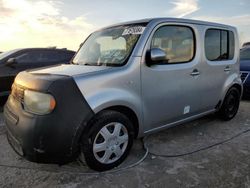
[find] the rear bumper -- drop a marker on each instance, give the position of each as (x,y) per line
(52,138)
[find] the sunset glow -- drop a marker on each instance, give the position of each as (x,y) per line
(64,23)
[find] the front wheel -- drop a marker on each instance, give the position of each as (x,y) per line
(107,141)
(230,104)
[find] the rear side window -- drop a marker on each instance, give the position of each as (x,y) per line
(177,41)
(219,45)
(65,55)
(50,56)
(29,57)
(56,56)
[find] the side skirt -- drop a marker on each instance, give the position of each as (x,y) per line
(179,122)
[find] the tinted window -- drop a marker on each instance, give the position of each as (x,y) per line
(219,45)
(65,55)
(50,56)
(29,57)
(176,41)
(8,53)
(212,44)
(245,54)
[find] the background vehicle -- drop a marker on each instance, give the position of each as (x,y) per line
(245,70)
(15,61)
(246,44)
(126,81)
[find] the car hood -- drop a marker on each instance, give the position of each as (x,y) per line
(245,65)
(68,70)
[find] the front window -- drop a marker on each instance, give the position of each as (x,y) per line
(109,47)
(177,41)
(245,54)
(6,54)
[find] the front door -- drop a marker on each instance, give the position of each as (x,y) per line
(171,89)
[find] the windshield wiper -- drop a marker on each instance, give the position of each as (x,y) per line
(94,64)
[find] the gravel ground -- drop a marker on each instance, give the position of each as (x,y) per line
(224,165)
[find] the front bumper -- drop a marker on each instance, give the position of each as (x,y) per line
(51,138)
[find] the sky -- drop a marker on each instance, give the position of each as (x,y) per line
(66,23)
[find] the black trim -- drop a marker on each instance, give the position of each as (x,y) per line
(51,138)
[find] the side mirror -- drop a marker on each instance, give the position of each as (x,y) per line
(10,62)
(157,56)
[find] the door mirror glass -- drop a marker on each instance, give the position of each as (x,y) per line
(157,56)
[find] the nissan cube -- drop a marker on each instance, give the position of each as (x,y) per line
(126,81)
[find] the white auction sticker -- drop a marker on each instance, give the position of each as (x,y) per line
(137,30)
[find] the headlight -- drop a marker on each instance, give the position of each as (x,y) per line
(38,103)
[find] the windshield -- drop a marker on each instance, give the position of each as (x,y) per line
(245,54)
(6,54)
(109,47)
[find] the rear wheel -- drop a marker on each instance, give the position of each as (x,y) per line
(108,140)
(230,104)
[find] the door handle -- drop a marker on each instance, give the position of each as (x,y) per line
(195,73)
(227,69)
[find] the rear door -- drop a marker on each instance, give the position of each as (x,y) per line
(219,59)
(171,90)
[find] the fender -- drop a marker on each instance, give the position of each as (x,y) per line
(231,80)
(111,97)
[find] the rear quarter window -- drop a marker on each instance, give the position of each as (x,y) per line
(219,45)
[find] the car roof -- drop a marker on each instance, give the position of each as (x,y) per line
(58,49)
(179,20)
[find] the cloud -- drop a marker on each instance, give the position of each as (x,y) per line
(183,8)
(25,23)
(241,22)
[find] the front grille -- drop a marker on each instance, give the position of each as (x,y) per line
(17,92)
(244,76)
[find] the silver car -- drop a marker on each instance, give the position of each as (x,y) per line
(126,81)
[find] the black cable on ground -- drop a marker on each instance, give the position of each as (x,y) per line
(134,164)
(84,173)
(198,150)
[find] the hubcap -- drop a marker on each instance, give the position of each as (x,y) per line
(110,143)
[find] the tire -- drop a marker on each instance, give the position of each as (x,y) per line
(114,133)
(230,104)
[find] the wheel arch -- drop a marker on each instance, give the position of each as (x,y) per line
(129,113)
(235,85)
(233,81)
